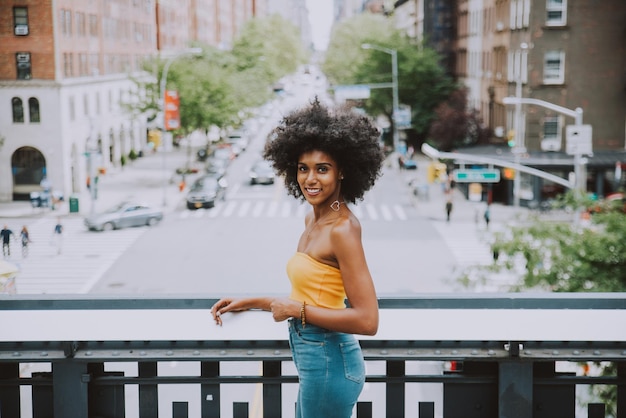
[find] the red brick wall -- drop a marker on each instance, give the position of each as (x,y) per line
(39,42)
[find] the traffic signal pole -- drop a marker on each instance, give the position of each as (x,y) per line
(435,154)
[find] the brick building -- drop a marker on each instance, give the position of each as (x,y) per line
(64,70)
(556,53)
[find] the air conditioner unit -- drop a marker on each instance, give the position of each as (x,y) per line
(499,26)
(21,29)
(551,145)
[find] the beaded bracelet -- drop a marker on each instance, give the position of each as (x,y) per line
(303,315)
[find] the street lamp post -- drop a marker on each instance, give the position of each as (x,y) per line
(520,136)
(394,88)
(162,86)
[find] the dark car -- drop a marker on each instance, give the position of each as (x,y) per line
(261,172)
(205,191)
(124,215)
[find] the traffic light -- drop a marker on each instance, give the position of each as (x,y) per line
(508,173)
(510,136)
(435,171)
(154,136)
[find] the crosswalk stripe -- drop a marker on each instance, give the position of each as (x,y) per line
(242,208)
(386,212)
(89,253)
(400,213)
(371,212)
(258,209)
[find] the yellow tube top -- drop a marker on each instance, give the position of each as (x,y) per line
(315,282)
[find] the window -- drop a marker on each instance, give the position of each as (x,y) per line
(81,24)
(22,63)
(72,108)
(20,21)
(18,110)
(556,12)
(65,21)
(68,64)
(33,110)
(554,67)
(551,140)
(93,25)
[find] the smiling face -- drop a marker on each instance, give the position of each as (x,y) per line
(318,177)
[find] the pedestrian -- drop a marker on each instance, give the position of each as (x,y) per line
(58,235)
(487,216)
(25,238)
(328,158)
(448,209)
(6,235)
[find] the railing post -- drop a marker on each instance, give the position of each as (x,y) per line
(426,410)
(621,390)
(272,395)
(70,388)
(395,391)
(240,410)
(553,399)
(472,399)
(148,393)
(515,389)
(596,410)
(364,410)
(210,392)
(9,395)
(180,410)
(105,400)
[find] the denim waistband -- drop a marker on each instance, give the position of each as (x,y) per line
(296,325)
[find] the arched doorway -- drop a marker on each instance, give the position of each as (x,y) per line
(28,167)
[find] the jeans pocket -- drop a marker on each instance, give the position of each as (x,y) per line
(353,363)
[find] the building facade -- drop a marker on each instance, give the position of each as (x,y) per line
(64,75)
(562,62)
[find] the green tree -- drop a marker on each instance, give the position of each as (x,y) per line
(566,257)
(217,87)
(422,82)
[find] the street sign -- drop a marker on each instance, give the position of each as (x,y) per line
(477,175)
(578,139)
(355,92)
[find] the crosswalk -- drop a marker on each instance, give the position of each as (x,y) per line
(84,256)
(245,208)
(470,245)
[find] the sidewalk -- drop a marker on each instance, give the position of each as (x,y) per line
(150,179)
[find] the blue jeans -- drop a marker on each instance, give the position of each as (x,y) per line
(331,371)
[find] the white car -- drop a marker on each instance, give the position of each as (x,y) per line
(124,215)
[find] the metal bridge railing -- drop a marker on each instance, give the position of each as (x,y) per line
(500,355)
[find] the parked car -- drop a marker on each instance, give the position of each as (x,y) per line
(124,215)
(205,191)
(261,172)
(216,166)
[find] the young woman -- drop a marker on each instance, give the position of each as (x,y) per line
(329,158)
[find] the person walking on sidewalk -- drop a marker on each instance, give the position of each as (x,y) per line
(448,208)
(25,237)
(329,159)
(57,235)
(6,234)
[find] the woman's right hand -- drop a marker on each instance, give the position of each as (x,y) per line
(227,305)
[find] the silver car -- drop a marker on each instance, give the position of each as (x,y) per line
(124,215)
